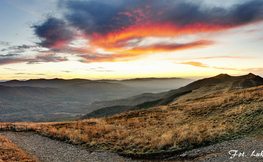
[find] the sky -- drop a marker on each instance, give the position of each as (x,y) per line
(120,39)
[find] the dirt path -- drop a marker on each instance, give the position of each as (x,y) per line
(241,150)
(48,150)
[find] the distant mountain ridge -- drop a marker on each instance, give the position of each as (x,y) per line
(45,97)
(200,88)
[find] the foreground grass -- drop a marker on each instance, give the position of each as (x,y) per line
(10,152)
(168,129)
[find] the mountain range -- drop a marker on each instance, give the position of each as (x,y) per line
(58,99)
(53,99)
(197,89)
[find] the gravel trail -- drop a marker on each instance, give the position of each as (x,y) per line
(48,150)
(240,150)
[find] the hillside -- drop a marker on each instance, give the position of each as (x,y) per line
(235,83)
(105,112)
(166,130)
(130,101)
(200,88)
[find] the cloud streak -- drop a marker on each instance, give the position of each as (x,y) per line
(199,64)
(216,57)
(194,63)
(2,43)
(37,59)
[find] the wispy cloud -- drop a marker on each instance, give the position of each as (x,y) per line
(9,55)
(48,58)
(23,9)
(10,69)
(28,74)
(100,69)
(2,43)
(215,57)
(199,64)
(37,59)
(194,63)
(66,71)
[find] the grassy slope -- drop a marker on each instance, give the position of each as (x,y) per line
(10,152)
(105,112)
(169,129)
(218,84)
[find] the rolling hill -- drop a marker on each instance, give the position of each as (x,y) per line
(197,89)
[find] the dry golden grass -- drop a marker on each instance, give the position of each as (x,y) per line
(10,152)
(167,128)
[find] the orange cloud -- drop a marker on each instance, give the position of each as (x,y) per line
(121,54)
(216,57)
(199,64)
(193,63)
(169,47)
(110,40)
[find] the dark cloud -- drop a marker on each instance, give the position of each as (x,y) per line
(248,12)
(53,33)
(21,49)
(118,25)
(98,16)
(37,59)
(102,17)
(48,58)
(4,61)
(189,13)
(9,55)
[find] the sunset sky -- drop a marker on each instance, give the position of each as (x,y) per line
(117,39)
